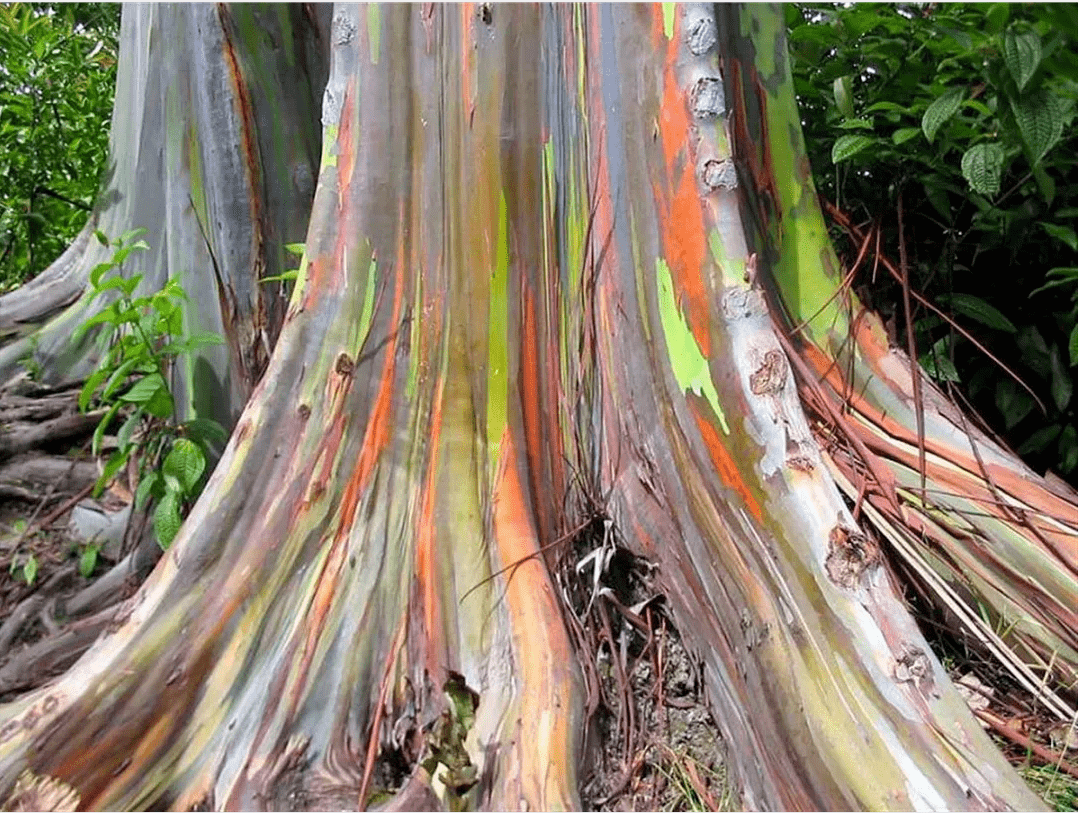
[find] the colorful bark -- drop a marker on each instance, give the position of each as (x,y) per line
(993,542)
(525,270)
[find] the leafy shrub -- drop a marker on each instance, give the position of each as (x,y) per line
(142,337)
(967,111)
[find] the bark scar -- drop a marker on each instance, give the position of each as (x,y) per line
(850,555)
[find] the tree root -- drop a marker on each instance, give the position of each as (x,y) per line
(34,473)
(84,615)
(22,437)
(31,606)
(49,657)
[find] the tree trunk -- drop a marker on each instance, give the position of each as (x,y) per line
(530,323)
(214,152)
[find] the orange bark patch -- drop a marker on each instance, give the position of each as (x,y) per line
(424,563)
(684,242)
(540,642)
(346,146)
(722,459)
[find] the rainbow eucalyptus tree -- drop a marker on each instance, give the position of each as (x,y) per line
(546,255)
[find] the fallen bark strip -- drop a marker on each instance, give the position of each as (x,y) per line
(1015,736)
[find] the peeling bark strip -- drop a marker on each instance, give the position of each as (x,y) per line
(515,286)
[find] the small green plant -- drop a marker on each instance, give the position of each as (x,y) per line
(291,274)
(143,337)
(30,362)
(88,559)
(27,568)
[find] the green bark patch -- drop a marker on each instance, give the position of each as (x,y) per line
(687,360)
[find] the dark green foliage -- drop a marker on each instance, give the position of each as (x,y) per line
(968,112)
(57,79)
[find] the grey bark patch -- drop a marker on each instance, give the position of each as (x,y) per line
(707,99)
(718,175)
(913,666)
(743,303)
(702,35)
(344,29)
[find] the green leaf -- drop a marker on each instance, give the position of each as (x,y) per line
(939,199)
(146,486)
(1068,449)
(982,167)
(29,570)
(997,15)
(1073,346)
(463,699)
(1045,183)
(116,461)
(1064,276)
(937,362)
(940,110)
(92,383)
(119,376)
(128,236)
(144,389)
(287,275)
(1040,120)
(296,248)
(1039,440)
(97,271)
(844,96)
(1022,53)
(889,107)
(123,437)
(857,124)
(88,561)
(979,106)
(204,338)
(847,146)
(161,404)
(1064,233)
(166,519)
(121,255)
(1013,402)
(128,286)
(1062,385)
(185,462)
(99,432)
(204,429)
(904,134)
(976,308)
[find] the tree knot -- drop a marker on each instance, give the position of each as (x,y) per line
(850,554)
(345,365)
